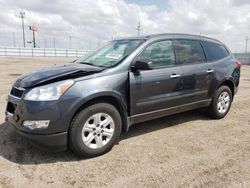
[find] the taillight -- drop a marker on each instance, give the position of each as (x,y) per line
(238,63)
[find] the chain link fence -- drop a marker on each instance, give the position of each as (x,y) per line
(62,52)
(243,58)
(42,52)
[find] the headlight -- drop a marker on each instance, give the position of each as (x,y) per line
(49,92)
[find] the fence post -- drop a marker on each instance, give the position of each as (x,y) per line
(5,51)
(55,52)
(76,53)
(66,52)
(44,52)
(19,51)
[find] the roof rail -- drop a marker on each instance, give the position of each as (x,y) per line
(180,34)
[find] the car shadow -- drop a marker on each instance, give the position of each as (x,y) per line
(165,122)
(18,150)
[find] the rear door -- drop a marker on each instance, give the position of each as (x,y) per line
(157,89)
(217,61)
(197,74)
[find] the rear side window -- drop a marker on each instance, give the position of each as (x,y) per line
(189,51)
(214,51)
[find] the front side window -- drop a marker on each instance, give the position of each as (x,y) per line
(189,51)
(214,51)
(160,53)
(111,54)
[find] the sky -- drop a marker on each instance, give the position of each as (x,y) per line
(90,23)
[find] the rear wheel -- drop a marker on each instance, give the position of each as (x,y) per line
(221,102)
(95,130)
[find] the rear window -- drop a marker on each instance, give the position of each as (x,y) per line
(214,51)
(189,51)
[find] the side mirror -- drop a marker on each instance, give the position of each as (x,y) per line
(142,65)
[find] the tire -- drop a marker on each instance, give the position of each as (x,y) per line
(216,110)
(90,133)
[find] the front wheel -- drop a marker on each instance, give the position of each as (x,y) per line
(95,130)
(221,102)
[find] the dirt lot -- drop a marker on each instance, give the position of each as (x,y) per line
(185,150)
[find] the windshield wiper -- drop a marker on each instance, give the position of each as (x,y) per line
(86,63)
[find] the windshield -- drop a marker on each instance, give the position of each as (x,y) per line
(111,54)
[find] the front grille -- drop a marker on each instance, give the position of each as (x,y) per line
(17,92)
(10,108)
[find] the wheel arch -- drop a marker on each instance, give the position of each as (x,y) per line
(112,98)
(229,83)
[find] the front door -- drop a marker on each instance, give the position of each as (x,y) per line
(158,89)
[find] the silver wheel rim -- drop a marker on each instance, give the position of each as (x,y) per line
(98,130)
(223,102)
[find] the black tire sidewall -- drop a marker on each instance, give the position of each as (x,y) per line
(214,110)
(75,133)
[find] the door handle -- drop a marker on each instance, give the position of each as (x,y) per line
(210,71)
(175,76)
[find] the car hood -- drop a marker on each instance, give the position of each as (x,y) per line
(55,73)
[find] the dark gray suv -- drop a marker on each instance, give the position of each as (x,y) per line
(86,104)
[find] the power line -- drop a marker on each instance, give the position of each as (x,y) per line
(22,15)
(138,28)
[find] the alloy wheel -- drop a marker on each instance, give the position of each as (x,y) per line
(223,102)
(98,130)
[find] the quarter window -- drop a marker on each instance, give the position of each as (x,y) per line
(189,51)
(160,53)
(214,51)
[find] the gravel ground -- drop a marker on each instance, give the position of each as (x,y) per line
(184,150)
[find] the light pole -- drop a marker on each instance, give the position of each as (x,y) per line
(22,14)
(33,29)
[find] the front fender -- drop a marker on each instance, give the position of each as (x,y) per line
(84,91)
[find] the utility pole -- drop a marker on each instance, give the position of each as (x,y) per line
(54,41)
(45,43)
(70,42)
(14,39)
(33,29)
(247,39)
(22,14)
(98,42)
(138,28)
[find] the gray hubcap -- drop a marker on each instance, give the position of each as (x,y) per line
(98,130)
(223,102)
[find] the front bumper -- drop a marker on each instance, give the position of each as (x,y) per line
(52,138)
(50,142)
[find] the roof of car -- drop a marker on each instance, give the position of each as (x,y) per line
(171,35)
